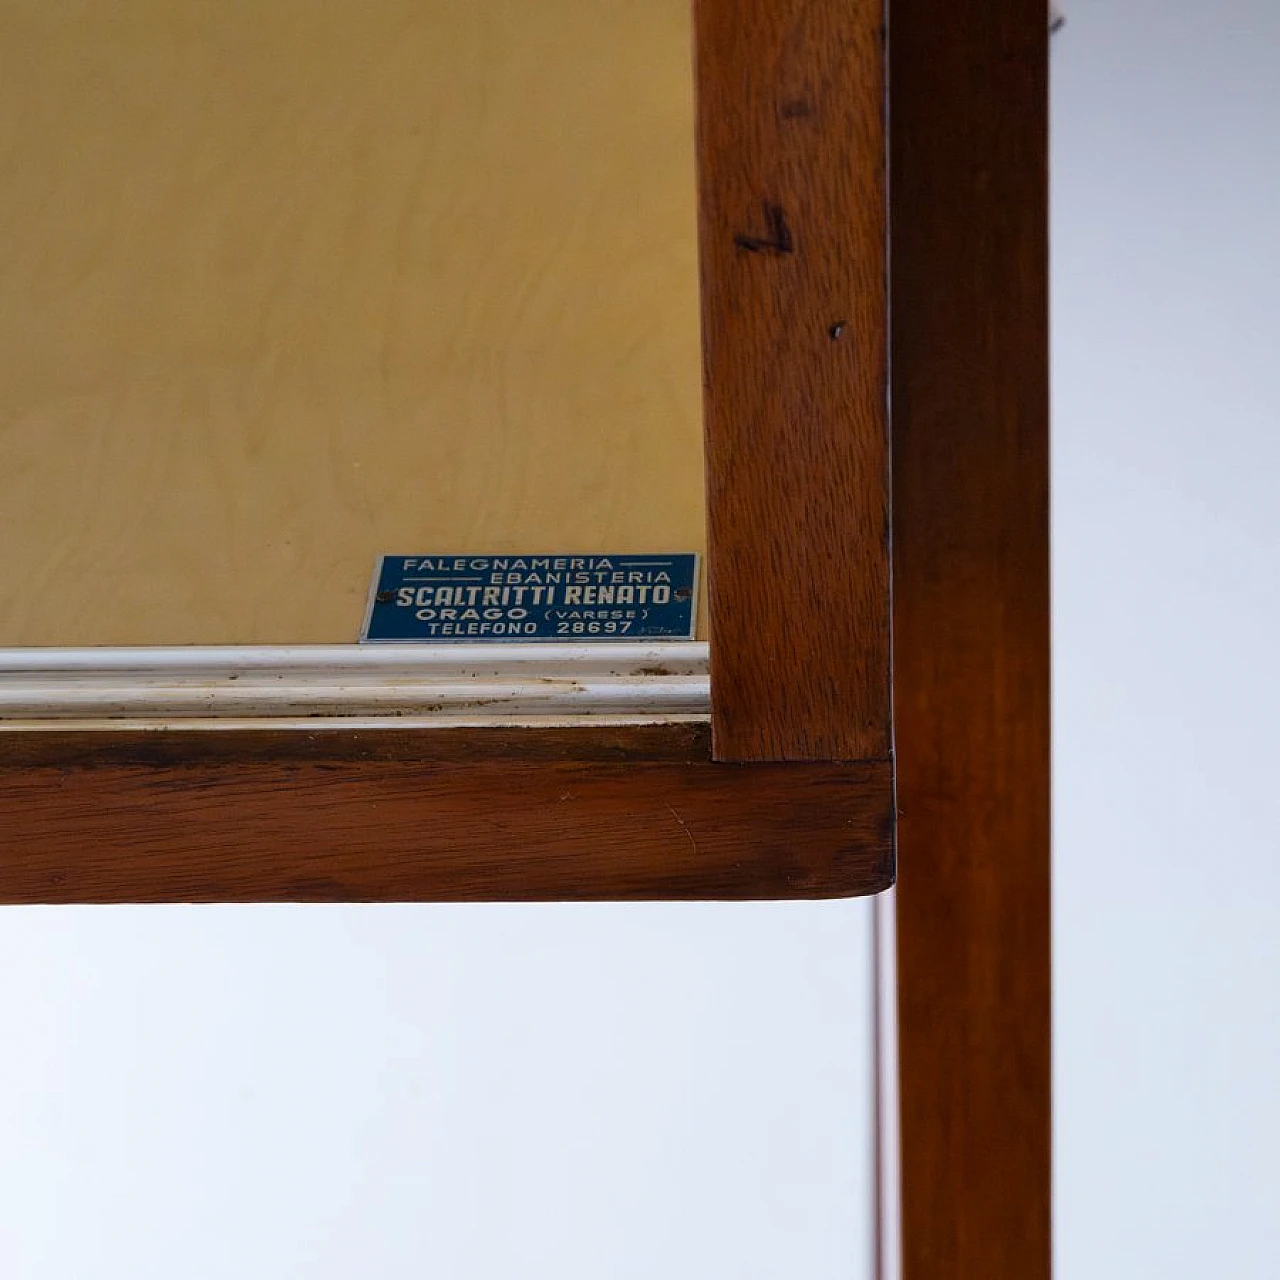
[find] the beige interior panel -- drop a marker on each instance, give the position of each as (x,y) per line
(287,284)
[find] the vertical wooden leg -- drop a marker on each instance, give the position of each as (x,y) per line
(969,361)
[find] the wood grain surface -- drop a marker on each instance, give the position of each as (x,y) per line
(288,284)
(971,633)
(460,815)
(794,322)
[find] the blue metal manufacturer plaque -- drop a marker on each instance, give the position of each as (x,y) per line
(569,598)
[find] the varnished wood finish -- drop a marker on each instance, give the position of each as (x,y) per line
(792,189)
(679,742)
(971,633)
(791,158)
(459,815)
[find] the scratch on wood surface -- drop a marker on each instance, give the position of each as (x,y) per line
(684,826)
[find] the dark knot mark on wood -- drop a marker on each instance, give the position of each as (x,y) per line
(778,239)
(795,109)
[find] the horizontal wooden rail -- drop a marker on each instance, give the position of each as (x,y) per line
(636,812)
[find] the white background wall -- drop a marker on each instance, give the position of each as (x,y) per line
(470,1093)
(1166,327)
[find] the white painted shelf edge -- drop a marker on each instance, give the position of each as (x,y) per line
(353,686)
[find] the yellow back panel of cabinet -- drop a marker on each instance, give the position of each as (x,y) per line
(286,284)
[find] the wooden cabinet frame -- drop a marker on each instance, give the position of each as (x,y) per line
(790,791)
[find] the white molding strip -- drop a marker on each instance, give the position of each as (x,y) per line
(374,686)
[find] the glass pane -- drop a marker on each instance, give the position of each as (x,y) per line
(286,285)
